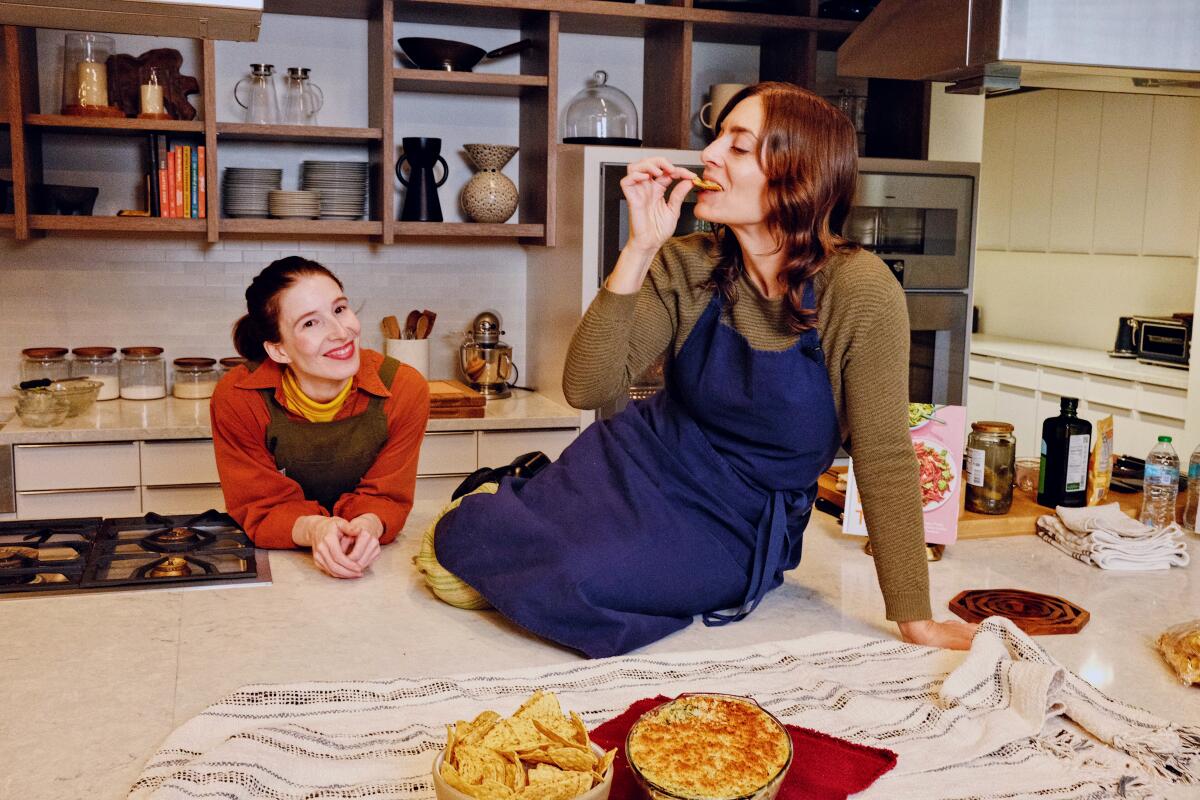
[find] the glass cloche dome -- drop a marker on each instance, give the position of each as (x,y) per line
(601,114)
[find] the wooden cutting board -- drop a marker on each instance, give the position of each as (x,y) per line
(454,400)
(1036,614)
(1021,519)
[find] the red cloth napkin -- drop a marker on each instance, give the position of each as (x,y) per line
(823,767)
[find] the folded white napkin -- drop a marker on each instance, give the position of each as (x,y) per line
(1106,537)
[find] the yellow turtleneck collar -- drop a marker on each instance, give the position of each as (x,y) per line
(299,403)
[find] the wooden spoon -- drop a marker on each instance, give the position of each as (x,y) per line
(391,327)
(410,324)
(430,318)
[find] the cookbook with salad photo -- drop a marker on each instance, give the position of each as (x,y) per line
(938,436)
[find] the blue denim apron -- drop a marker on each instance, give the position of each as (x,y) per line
(693,501)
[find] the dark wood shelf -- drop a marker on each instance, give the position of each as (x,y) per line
(3,117)
(344,9)
(51,222)
(305,227)
(113,125)
(470,230)
(307,134)
(6,222)
(477,83)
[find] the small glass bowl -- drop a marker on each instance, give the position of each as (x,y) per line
(38,408)
(1028,470)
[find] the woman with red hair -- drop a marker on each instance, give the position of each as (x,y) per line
(782,341)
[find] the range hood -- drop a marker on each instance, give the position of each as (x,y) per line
(992,46)
(237,20)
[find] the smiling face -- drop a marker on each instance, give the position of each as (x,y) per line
(732,160)
(318,335)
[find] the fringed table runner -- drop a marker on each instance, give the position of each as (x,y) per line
(1003,720)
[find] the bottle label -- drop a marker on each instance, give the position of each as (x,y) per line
(1042,470)
(1194,470)
(975,460)
(1160,475)
(1077,457)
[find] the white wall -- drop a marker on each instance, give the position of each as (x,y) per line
(72,291)
(955,125)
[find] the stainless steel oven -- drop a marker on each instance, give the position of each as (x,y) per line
(918,216)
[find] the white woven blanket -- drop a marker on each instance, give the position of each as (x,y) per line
(985,724)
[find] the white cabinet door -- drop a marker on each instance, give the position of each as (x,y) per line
(91,503)
(447,454)
(1033,171)
(1173,203)
(981,400)
(497,448)
(995,173)
(182,499)
(76,466)
(1019,406)
(1121,180)
(169,463)
(1076,161)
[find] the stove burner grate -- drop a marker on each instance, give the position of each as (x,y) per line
(16,558)
(174,567)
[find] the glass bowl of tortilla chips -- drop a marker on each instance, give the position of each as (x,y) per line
(538,753)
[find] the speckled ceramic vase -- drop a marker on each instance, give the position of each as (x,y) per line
(490,196)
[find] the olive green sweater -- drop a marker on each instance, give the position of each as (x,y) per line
(863,324)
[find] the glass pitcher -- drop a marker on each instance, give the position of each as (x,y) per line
(261,104)
(302,98)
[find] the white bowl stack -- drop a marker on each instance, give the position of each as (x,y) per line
(294,205)
(342,184)
(246,189)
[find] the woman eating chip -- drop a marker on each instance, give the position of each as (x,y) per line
(783,341)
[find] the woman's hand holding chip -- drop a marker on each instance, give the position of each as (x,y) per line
(653,215)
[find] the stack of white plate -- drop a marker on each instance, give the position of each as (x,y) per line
(294,205)
(342,184)
(244,192)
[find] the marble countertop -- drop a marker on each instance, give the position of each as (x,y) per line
(172,418)
(94,683)
(1094,362)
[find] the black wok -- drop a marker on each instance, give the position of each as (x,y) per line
(448,55)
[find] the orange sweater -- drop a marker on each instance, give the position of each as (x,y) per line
(266,503)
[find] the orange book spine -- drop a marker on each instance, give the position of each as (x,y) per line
(179,181)
(200,180)
(186,171)
(171,184)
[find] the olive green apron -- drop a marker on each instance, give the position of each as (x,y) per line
(328,459)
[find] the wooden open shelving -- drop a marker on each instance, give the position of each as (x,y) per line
(788,47)
(114,125)
(6,222)
(304,134)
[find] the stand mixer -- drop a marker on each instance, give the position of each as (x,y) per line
(486,362)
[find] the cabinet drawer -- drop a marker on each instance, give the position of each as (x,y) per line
(178,462)
(76,466)
(1111,392)
(182,499)
(500,447)
(447,454)
(94,503)
(1017,373)
(1163,400)
(1062,382)
(435,491)
(982,368)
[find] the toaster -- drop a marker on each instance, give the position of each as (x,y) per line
(1166,341)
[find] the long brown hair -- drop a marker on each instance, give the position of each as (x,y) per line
(809,153)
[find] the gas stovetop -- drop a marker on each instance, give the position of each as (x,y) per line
(94,554)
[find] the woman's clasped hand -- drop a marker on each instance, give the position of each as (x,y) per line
(341,548)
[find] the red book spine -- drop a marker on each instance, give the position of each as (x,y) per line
(179,206)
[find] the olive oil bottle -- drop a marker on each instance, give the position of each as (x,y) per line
(1066,442)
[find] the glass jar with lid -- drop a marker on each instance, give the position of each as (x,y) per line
(143,373)
(601,114)
(44,362)
(195,378)
(231,362)
(991,467)
(98,364)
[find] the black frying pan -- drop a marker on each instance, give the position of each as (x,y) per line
(448,55)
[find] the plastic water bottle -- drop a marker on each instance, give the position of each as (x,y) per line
(1193,491)
(1160,486)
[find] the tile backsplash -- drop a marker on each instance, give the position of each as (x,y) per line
(183,295)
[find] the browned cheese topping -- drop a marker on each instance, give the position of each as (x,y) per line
(709,747)
(711,186)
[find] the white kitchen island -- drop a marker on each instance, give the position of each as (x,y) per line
(94,683)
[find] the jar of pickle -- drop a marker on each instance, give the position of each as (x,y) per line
(44,362)
(143,373)
(98,364)
(195,378)
(991,467)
